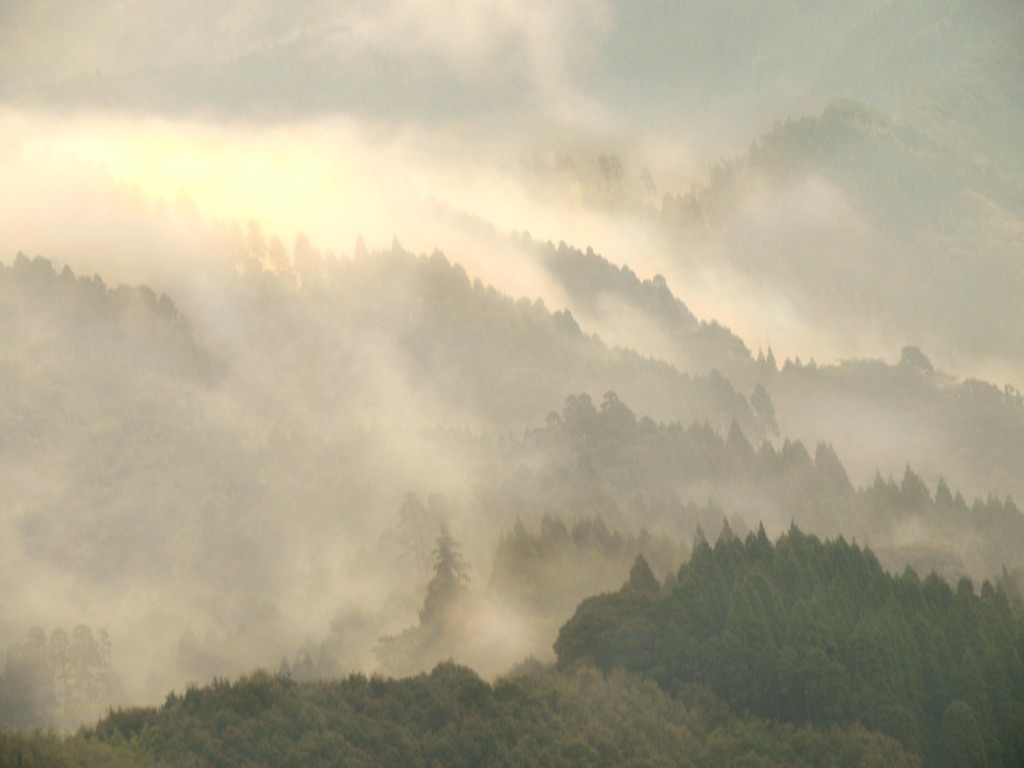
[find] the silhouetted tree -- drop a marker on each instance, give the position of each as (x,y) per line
(449,582)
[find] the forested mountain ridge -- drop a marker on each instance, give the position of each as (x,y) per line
(865,220)
(771,218)
(805,631)
(817,654)
(878,414)
(914,58)
(57,325)
(970,431)
(672,481)
(645,311)
(480,355)
(973,106)
(259,443)
(671,477)
(450,717)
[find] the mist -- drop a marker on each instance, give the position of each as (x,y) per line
(349,253)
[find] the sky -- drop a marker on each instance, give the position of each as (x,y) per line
(334,119)
(428,122)
(436,115)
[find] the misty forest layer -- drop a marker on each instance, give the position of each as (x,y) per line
(449,717)
(797,653)
(588,462)
(353,356)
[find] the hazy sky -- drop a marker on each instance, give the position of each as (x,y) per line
(378,120)
(391,119)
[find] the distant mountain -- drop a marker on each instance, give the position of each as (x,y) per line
(463,350)
(200,458)
(673,478)
(955,66)
(977,106)
(720,70)
(259,455)
(644,312)
(869,228)
(878,414)
(970,431)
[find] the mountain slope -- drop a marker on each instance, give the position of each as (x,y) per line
(869,229)
(809,631)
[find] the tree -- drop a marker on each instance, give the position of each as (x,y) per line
(414,526)
(641,578)
(912,358)
(962,738)
(448,562)
(86,664)
(764,411)
(448,585)
(27,692)
(580,419)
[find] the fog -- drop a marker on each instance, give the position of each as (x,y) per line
(254,162)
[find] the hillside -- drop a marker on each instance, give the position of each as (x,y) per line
(879,415)
(865,224)
(449,717)
(636,274)
(245,463)
(805,631)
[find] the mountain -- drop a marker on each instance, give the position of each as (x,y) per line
(223,451)
(644,312)
(450,717)
(866,226)
(805,631)
(282,425)
(879,415)
(734,67)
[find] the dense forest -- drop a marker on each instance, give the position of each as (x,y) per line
(801,652)
(450,716)
(812,632)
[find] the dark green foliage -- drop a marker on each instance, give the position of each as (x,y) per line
(451,717)
(812,632)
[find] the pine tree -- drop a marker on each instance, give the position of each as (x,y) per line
(449,581)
